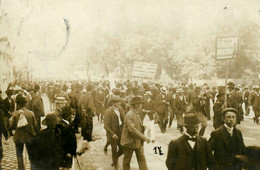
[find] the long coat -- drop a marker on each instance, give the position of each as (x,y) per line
(179,155)
(111,122)
(68,143)
(218,117)
(36,105)
(220,145)
(133,131)
(47,151)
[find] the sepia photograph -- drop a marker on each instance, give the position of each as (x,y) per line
(129,85)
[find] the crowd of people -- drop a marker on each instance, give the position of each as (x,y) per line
(129,112)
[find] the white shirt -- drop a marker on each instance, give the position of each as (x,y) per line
(118,115)
(192,143)
(66,121)
(230,130)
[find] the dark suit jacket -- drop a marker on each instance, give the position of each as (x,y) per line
(160,105)
(8,107)
(179,155)
(254,100)
(86,102)
(2,125)
(111,123)
(36,105)
(150,106)
(218,117)
(180,105)
(219,144)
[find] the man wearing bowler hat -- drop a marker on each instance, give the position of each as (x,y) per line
(133,136)
(190,151)
(232,99)
(218,107)
(227,142)
(46,144)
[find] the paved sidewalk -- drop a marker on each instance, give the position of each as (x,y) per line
(9,161)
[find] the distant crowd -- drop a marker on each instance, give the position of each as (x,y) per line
(129,112)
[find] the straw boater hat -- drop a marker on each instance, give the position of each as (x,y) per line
(51,119)
(136,100)
(190,119)
(61,100)
(179,90)
(148,93)
(163,89)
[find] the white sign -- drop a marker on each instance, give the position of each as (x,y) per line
(144,70)
(226,47)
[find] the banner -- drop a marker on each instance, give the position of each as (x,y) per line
(226,47)
(144,70)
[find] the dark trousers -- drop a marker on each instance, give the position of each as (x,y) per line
(207,110)
(19,154)
(1,149)
(100,112)
(163,120)
(87,128)
(38,126)
(117,149)
(179,117)
(171,117)
(128,153)
(7,126)
(257,115)
(246,108)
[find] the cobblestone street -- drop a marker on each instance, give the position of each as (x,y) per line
(96,159)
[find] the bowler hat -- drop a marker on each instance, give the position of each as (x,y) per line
(220,94)
(136,100)
(115,99)
(50,119)
(190,119)
(61,100)
(9,92)
(116,91)
(197,88)
(36,87)
(20,99)
(231,84)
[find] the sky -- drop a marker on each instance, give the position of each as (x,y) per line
(37,29)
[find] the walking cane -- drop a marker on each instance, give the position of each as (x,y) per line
(78,162)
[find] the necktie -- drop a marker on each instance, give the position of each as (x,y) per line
(192,139)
